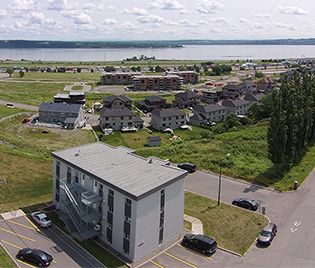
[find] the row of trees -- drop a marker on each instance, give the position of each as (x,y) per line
(292,121)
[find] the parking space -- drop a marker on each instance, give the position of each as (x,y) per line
(179,256)
(19,233)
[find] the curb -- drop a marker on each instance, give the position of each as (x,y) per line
(232,252)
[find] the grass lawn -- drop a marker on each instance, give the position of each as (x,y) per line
(99,252)
(5,260)
(233,228)
(5,111)
(71,77)
(29,93)
(25,161)
(187,225)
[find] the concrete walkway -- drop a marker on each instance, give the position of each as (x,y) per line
(12,214)
(196,224)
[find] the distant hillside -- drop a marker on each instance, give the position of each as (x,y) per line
(147,44)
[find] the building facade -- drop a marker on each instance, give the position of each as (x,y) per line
(211,96)
(186,99)
(157,82)
(172,118)
(117,102)
(205,115)
(118,78)
(189,77)
(238,106)
(74,97)
(132,204)
(151,102)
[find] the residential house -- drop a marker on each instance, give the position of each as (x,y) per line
(266,84)
(119,118)
(205,115)
(67,115)
(118,78)
(133,205)
(211,95)
(237,90)
(186,99)
(237,106)
(151,102)
(189,77)
(172,118)
(73,97)
(253,97)
(117,102)
(157,82)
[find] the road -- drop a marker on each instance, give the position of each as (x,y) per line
(292,212)
(20,105)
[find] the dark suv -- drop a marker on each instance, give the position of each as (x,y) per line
(187,166)
(202,243)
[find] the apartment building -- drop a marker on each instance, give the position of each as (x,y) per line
(205,115)
(211,96)
(157,82)
(172,118)
(151,102)
(189,77)
(118,78)
(134,205)
(237,106)
(73,97)
(115,102)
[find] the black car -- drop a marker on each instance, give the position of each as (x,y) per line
(202,243)
(187,166)
(267,234)
(246,203)
(35,256)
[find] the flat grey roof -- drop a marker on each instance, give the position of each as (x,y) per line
(121,167)
(59,107)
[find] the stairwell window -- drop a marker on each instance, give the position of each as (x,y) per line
(69,174)
(58,170)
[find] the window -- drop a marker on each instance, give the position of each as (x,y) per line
(110,219)
(109,235)
(161,233)
(58,170)
(162,201)
(127,229)
(76,176)
(128,208)
(161,219)
(57,196)
(110,200)
(100,191)
(122,118)
(162,206)
(68,174)
(126,246)
(57,185)
(83,180)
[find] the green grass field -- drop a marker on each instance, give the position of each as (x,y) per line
(233,228)
(29,93)
(5,260)
(68,77)
(5,111)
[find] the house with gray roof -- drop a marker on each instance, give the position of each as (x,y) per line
(253,97)
(172,118)
(237,106)
(119,118)
(134,205)
(115,102)
(205,115)
(73,97)
(151,102)
(67,115)
(186,99)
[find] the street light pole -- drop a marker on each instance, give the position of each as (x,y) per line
(220,178)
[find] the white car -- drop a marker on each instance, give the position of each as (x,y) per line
(41,219)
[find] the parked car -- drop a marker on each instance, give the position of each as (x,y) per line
(206,245)
(10,105)
(41,219)
(36,256)
(246,203)
(187,166)
(267,234)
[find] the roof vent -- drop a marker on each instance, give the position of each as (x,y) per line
(150,161)
(77,153)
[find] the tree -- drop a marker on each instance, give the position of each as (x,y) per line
(9,71)
(259,74)
(21,73)
(261,110)
(159,69)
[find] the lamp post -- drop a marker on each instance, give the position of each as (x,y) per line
(220,178)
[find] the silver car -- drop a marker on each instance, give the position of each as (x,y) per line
(41,219)
(267,234)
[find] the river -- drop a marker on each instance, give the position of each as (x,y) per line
(191,52)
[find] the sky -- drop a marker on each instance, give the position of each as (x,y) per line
(156,19)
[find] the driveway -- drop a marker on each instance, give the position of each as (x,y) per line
(21,232)
(292,212)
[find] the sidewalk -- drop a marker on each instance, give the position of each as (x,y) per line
(196,224)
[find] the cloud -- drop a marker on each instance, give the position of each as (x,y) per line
(89,6)
(151,19)
(262,16)
(136,11)
(167,5)
(78,16)
(40,18)
(281,25)
(209,7)
(3,13)
(58,5)
(242,20)
(292,11)
(24,5)
(108,21)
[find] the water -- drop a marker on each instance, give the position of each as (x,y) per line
(203,52)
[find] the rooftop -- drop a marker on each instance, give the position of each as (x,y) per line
(168,112)
(121,168)
(59,107)
(116,112)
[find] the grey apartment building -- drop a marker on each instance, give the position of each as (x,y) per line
(118,78)
(157,82)
(134,205)
(167,118)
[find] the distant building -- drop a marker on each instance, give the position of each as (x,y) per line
(73,97)
(186,99)
(266,84)
(167,118)
(151,102)
(189,77)
(205,115)
(118,78)
(115,102)
(134,205)
(211,96)
(157,82)
(67,115)
(119,118)
(237,106)
(153,141)
(236,90)
(253,97)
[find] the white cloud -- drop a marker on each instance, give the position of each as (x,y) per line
(78,16)
(167,5)
(281,25)
(256,26)
(242,20)
(3,13)
(58,5)
(151,19)
(262,16)
(108,21)
(209,7)
(40,18)
(24,5)
(292,11)
(136,11)
(89,6)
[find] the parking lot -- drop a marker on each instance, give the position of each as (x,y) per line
(179,256)
(20,233)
